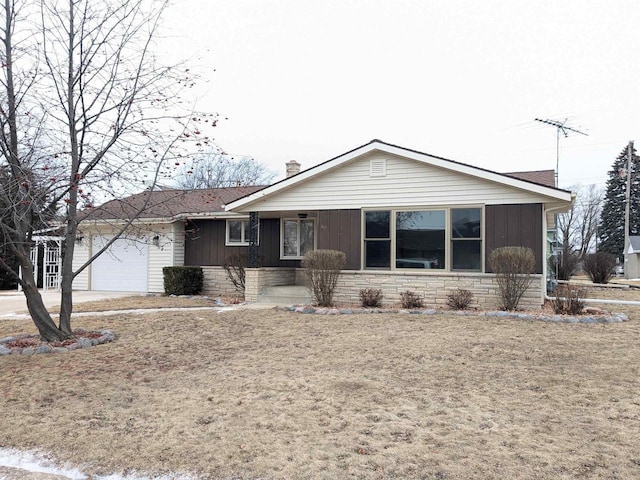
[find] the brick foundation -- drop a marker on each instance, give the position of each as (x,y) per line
(433,287)
(217,283)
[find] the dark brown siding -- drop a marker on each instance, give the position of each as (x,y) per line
(514,226)
(340,230)
(205,244)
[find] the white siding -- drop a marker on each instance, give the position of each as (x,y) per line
(407,182)
(160,256)
(80,256)
(178,243)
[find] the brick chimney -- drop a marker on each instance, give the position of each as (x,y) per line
(293,168)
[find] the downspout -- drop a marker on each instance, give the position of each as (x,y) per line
(595,300)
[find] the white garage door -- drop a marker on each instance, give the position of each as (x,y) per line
(122,268)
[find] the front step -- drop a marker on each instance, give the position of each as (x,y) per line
(285,295)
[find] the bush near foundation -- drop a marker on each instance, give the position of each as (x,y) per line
(569,299)
(513,267)
(600,266)
(322,268)
(410,299)
(235,266)
(371,297)
(459,299)
(183,280)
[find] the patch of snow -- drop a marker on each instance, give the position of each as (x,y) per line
(35,462)
(225,309)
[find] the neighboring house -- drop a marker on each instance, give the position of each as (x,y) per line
(405,219)
(632,258)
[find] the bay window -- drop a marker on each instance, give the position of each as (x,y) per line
(434,239)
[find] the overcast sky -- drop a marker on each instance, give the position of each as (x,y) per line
(460,79)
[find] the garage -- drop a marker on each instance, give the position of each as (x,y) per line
(122,268)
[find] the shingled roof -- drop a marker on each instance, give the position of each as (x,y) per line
(168,203)
(171,203)
(541,177)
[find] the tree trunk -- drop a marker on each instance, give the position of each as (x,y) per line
(41,317)
(66,306)
(66,284)
(66,298)
(39,313)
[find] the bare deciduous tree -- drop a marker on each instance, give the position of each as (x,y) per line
(578,227)
(87,114)
(216,170)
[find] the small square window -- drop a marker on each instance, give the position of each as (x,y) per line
(236,229)
(237,233)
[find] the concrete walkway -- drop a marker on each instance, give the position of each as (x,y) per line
(12,302)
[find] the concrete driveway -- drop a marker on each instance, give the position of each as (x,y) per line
(12,302)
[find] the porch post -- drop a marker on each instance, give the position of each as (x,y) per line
(45,263)
(253,240)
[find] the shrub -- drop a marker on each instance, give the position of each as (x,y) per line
(600,266)
(411,299)
(182,280)
(459,299)
(371,297)
(322,268)
(234,265)
(564,264)
(569,299)
(513,267)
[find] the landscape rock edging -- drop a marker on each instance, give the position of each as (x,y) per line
(305,309)
(105,336)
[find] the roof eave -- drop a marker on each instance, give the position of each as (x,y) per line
(121,221)
(174,218)
(551,192)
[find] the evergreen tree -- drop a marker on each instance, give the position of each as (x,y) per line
(611,226)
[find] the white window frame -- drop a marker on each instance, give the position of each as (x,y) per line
(453,240)
(448,239)
(298,221)
(244,239)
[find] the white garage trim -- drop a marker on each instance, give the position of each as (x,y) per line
(123,267)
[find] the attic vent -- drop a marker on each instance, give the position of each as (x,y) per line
(378,168)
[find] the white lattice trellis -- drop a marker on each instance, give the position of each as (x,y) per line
(51,261)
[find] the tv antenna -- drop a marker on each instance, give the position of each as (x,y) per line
(560,127)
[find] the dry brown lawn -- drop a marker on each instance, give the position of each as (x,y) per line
(139,302)
(251,394)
